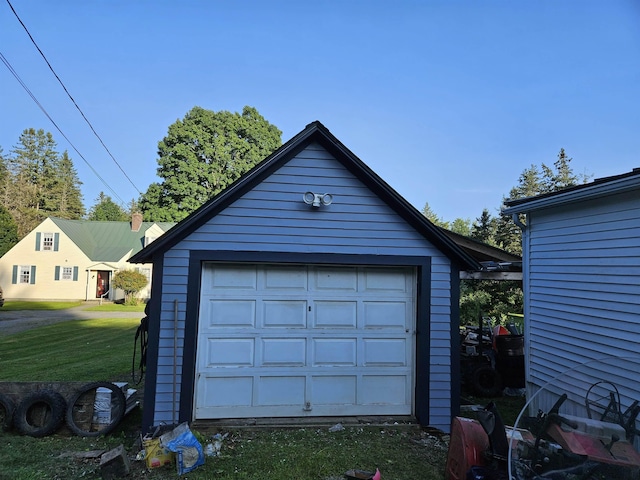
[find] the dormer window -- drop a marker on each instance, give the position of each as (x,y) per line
(148,240)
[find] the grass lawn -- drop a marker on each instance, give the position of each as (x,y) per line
(78,350)
(116,307)
(27,305)
(89,350)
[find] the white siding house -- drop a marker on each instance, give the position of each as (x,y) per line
(581,273)
(64,259)
(265,305)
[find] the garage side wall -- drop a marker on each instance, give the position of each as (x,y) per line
(583,296)
(273,218)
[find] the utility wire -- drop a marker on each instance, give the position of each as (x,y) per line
(71,98)
(33,97)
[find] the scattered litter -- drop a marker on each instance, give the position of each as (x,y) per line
(336,428)
(154,454)
(362,475)
(213,448)
(182,441)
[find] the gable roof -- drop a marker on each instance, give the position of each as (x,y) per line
(106,241)
(314,132)
(600,187)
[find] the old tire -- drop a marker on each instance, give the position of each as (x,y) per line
(486,381)
(40,413)
(6,412)
(80,410)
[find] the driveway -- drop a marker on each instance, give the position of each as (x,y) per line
(18,321)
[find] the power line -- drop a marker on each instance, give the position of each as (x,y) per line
(72,99)
(33,97)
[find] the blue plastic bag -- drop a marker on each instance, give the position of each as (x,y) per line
(189,453)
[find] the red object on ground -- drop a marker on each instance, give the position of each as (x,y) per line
(466,447)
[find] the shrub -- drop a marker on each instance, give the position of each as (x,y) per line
(131,282)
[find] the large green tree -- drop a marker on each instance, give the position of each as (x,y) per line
(106,210)
(39,182)
(8,231)
(202,155)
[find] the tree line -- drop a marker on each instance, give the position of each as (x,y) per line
(201,155)
(498,299)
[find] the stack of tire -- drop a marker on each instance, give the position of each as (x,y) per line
(43,412)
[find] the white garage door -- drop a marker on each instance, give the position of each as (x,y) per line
(287,341)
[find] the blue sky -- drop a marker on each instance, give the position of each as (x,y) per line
(448,101)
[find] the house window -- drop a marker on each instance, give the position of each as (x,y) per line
(148,240)
(47,241)
(67,273)
(24,274)
(146,272)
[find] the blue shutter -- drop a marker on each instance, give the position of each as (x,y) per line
(14,275)
(33,275)
(75,274)
(38,235)
(56,275)
(56,241)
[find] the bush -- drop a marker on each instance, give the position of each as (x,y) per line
(131,282)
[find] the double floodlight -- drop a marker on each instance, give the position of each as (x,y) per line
(317,199)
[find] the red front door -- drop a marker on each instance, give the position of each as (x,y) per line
(102,286)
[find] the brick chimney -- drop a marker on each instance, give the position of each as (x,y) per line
(136,222)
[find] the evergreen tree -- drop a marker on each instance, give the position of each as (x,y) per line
(484,228)
(38,182)
(106,210)
(64,196)
(8,231)
(461,226)
(202,155)
(433,217)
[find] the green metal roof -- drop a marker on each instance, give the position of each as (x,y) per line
(106,241)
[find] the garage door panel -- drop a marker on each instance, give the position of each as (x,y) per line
(281,391)
(383,390)
(342,281)
(334,352)
(228,391)
(240,278)
(284,352)
(286,278)
(335,314)
(379,280)
(385,352)
(230,313)
(285,313)
(334,390)
(229,352)
(391,315)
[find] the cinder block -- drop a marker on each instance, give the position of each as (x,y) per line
(115,464)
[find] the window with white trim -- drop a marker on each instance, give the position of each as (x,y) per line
(47,241)
(24,274)
(146,272)
(67,273)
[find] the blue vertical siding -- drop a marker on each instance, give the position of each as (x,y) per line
(583,295)
(273,218)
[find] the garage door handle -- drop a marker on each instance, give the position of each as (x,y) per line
(307,407)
